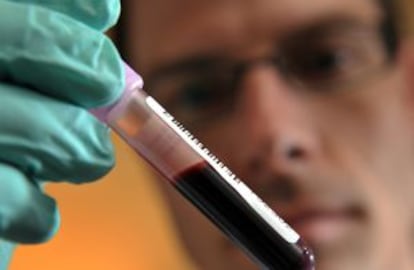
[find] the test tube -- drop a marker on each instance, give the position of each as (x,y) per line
(205,181)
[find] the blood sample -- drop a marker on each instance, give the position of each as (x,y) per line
(205,181)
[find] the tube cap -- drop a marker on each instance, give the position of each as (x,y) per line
(133,82)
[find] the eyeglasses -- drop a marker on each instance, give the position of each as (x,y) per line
(317,61)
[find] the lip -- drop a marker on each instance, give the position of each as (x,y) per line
(325,226)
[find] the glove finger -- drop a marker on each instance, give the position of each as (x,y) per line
(58,56)
(48,139)
(26,214)
(98,14)
(6,252)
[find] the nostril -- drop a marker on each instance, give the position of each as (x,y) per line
(284,188)
(278,187)
(255,165)
(294,152)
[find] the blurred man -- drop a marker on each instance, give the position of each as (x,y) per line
(309,102)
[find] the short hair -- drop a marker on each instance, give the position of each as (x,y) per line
(389,26)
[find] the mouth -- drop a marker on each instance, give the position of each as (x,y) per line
(325,226)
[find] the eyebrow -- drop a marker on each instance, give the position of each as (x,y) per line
(193,63)
(329,25)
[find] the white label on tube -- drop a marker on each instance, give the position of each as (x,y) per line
(159,145)
(151,136)
(251,198)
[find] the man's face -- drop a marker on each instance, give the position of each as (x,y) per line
(299,99)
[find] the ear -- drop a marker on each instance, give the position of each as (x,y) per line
(405,62)
(405,58)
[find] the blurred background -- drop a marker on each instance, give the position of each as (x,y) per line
(120,222)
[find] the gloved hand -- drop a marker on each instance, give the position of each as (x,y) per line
(55,64)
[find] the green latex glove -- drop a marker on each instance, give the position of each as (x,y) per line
(6,250)
(55,64)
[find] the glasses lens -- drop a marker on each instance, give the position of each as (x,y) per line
(333,60)
(196,98)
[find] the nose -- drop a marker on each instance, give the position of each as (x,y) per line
(277,120)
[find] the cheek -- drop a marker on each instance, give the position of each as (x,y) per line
(371,121)
(225,140)
(376,125)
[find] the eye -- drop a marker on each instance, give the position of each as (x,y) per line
(324,64)
(324,61)
(204,98)
(196,97)
(321,64)
(195,94)
(330,61)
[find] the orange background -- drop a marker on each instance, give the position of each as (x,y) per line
(119,222)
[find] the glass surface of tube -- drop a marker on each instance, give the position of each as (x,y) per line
(200,177)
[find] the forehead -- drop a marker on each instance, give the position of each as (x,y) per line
(161,30)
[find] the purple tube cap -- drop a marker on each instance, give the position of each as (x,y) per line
(132,82)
